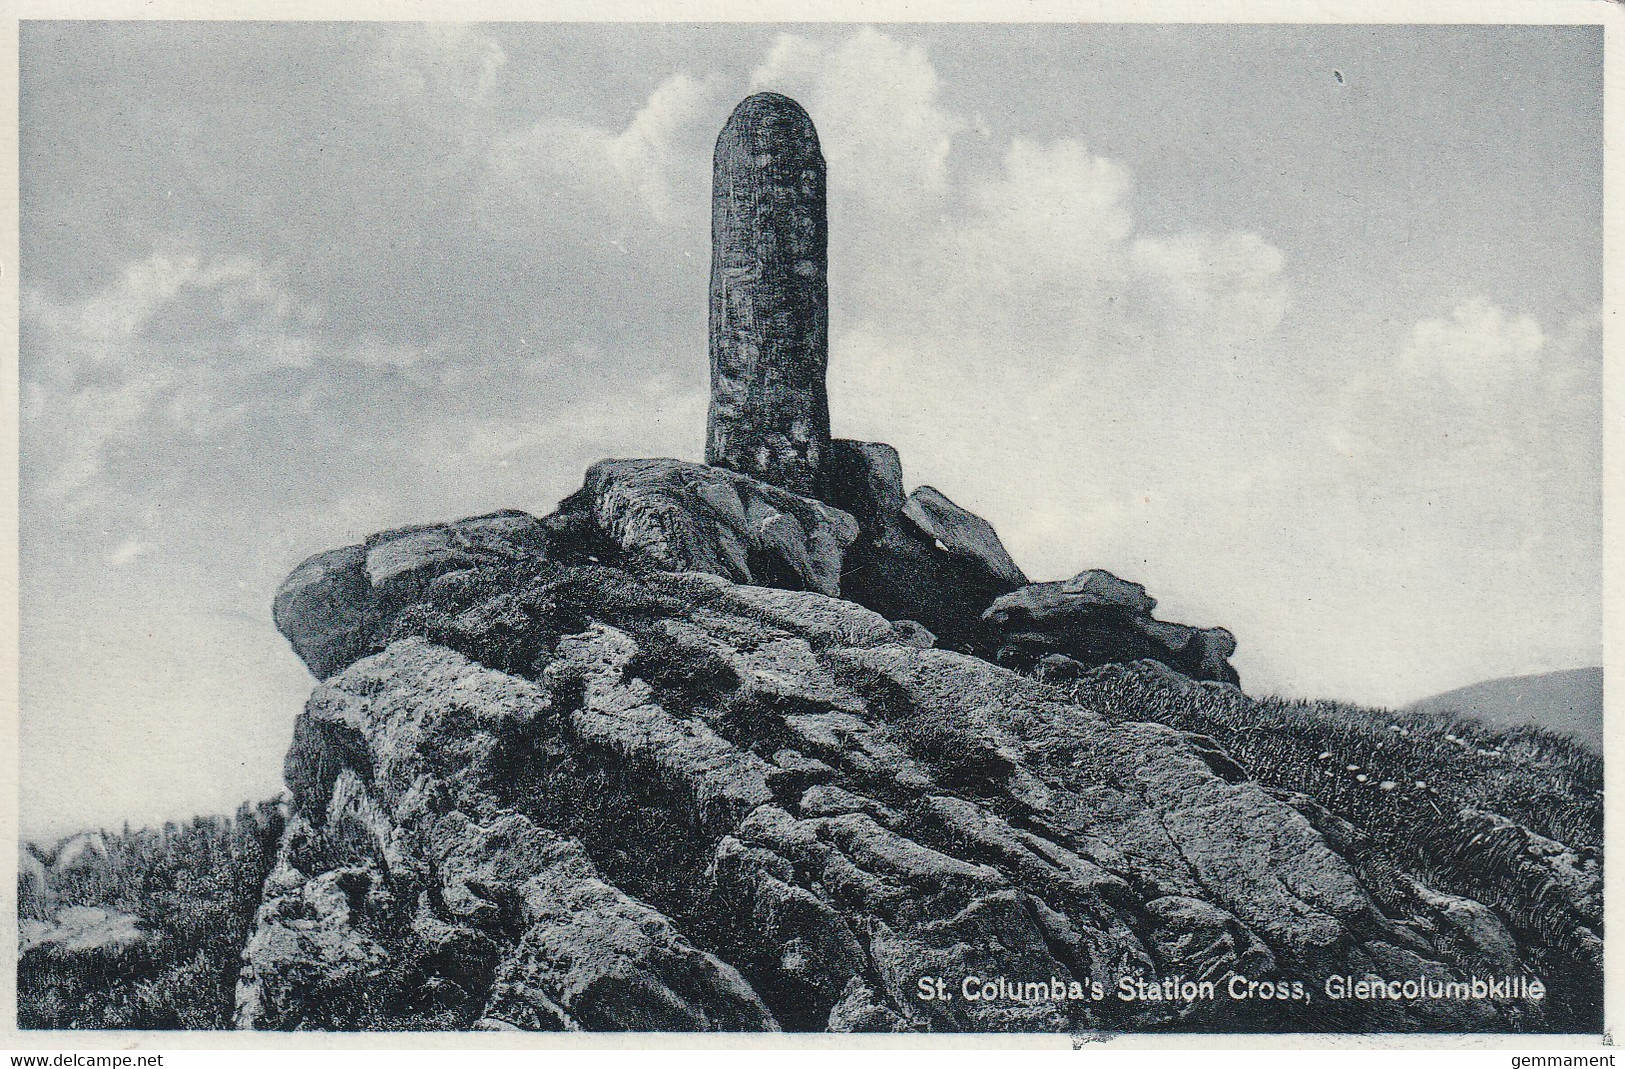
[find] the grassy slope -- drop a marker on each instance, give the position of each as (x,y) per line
(1404,782)
(1538,779)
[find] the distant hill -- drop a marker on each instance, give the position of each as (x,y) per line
(1567,702)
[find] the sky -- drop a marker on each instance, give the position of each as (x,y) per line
(1298,326)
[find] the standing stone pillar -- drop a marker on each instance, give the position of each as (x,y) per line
(769,297)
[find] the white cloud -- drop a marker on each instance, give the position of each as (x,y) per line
(890,159)
(174,345)
(1040,258)
(1229,283)
(441,63)
(564,176)
(1476,394)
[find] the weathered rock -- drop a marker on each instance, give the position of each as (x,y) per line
(921,557)
(334,606)
(866,480)
(959,533)
(1151,795)
(324,609)
(825,800)
(926,913)
(1095,618)
(347,935)
(1058,667)
(702,805)
(635,766)
(769,297)
(309,963)
(913,633)
(1211,649)
(821,620)
(692,517)
(899,566)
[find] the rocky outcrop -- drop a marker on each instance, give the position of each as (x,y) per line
(694,517)
(918,557)
(960,534)
(332,607)
(1545,888)
(33,884)
(1095,618)
(600,798)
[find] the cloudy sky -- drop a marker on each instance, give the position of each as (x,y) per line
(1297,326)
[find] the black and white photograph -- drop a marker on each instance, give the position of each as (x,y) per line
(1076,529)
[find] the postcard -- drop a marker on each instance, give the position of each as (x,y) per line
(1086,528)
